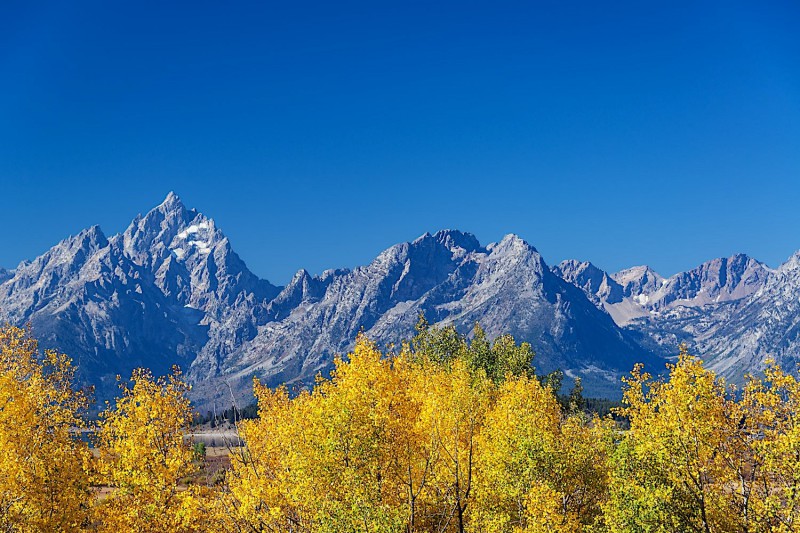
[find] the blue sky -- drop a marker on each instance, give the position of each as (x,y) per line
(318,134)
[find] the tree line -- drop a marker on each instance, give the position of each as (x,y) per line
(447,433)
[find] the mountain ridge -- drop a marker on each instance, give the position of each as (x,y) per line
(170,289)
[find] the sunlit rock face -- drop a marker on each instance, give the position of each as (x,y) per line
(449,277)
(156,295)
(170,290)
(734,312)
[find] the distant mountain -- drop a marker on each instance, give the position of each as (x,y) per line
(451,279)
(734,312)
(156,295)
(193,265)
(86,298)
(171,290)
(600,287)
(741,328)
(639,291)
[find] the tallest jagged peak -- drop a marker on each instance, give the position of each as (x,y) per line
(170,214)
(172,201)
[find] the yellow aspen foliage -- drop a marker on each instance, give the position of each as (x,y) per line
(543,513)
(454,404)
(145,458)
(675,467)
(540,470)
(261,495)
(44,484)
(450,434)
(768,488)
(326,460)
(416,441)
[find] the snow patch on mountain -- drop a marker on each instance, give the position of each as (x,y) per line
(171,290)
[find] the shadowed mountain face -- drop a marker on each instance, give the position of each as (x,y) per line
(154,296)
(170,290)
(733,312)
(451,279)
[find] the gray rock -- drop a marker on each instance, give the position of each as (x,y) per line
(156,295)
(733,312)
(505,287)
(171,290)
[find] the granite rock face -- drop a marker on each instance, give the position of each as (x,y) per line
(157,295)
(639,291)
(734,312)
(451,279)
(170,290)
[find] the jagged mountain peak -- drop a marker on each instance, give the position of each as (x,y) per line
(193,258)
(60,264)
(171,201)
(170,235)
(718,280)
(790,265)
(639,271)
(93,232)
(572,267)
(638,282)
(451,279)
(735,261)
(511,244)
(442,247)
(455,239)
(147,238)
(299,276)
(595,282)
(170,289)
(75,249)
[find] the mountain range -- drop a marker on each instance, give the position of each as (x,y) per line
(170,290)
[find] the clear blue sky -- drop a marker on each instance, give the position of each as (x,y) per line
(318,134)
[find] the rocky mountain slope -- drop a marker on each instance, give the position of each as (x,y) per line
(86,298)
(451,279)
(639,291)
(171,290)
(734,312)
(156,295)
(740,329)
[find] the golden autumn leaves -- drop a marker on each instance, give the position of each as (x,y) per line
(144,456)
(49,477)
(44,470)
(702,458)
(445,434)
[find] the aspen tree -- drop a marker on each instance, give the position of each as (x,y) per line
(44,480)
